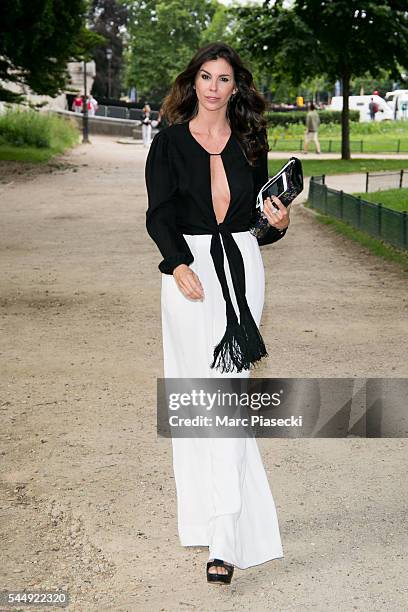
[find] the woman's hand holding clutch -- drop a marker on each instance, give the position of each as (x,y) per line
(278,217)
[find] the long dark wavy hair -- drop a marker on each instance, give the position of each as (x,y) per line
(244,111)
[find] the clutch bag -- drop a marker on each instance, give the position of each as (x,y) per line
(287,184)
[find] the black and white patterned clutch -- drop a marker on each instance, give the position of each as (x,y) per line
(293,181)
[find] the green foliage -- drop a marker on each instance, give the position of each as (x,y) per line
(397,129)
(392,130)
(381,136)
(353,39)
(382,82)
(340,39)
(24,154)
(36,129)
(108,18)
(163,36)
(218,26)
(293,117)
(312,38)
(37,39)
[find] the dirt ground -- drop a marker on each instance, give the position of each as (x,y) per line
(87,490)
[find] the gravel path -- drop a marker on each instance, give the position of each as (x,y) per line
(87,489)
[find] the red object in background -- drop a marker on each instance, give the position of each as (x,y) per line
(375,93)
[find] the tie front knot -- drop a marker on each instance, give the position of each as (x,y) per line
(223,229)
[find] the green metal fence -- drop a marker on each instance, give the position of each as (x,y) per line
(376,181)
(333,145)
(374,219)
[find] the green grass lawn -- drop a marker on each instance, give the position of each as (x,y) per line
(382,136)
(29,136)
(357,145)
(317,167)
(26,154)
(397,199)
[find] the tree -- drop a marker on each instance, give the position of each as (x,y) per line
(163,36)
(338,39)
(37,40)
(219,28)
(366,84)
(108,18)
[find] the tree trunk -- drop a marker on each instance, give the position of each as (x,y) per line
(345,126)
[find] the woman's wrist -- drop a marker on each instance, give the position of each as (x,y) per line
(282,229)
(179,268)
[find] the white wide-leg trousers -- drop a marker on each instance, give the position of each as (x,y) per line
(223,496)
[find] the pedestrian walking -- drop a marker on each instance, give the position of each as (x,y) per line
(146,125)
(203,173)
(312,126)
(92,105)
(373,109)
(77,104)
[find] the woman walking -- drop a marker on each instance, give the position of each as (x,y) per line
(203,173)
(146,119)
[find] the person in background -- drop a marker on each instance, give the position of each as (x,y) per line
(89,106)
(373,109)
(312,126)
(77,104)
(146,119)
(94,105)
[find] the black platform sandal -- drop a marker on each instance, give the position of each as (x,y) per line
(214,577)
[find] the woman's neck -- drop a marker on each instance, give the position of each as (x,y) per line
(210,122)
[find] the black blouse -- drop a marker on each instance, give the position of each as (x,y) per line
(178,181)
(146,118)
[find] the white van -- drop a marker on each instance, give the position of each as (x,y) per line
(361,103)
(397,100)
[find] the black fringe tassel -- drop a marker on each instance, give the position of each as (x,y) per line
(231,351)
(241,346)
(256,348)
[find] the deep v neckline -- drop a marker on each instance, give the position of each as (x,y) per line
(201,146)
(222,156)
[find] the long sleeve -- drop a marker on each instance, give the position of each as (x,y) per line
(161,222)
(261,176)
